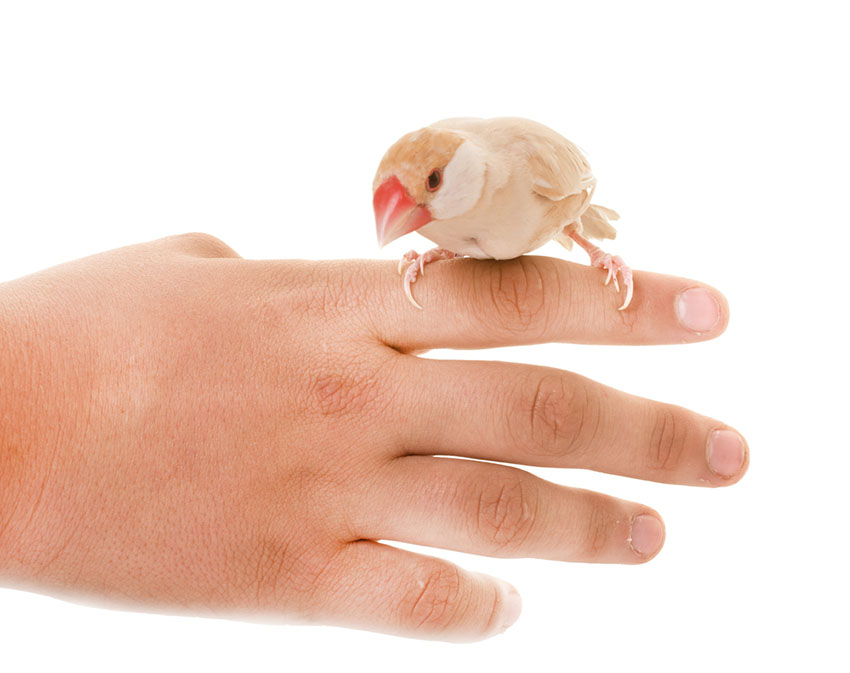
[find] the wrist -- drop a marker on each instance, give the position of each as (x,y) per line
(15,397)
(44,396)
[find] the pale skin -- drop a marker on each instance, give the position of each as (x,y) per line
(185,430)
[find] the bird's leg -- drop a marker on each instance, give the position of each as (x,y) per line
(418,267)
(612,264)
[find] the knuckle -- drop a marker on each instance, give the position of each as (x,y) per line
(265,569)
(201,244)
(333,295)
(434,602)
(271,566)
(279,571)
(505,514)
(516,292)
(338,290)
(343,393)
(292,294)
(326,290)
(352,389)
(668,440)
(558,417)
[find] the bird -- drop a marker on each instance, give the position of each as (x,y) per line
(490,189)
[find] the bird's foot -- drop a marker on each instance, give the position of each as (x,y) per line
(417,267)
(614,265)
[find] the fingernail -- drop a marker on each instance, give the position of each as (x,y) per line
(512,605)
(647,535)
(725,452)
(697,309)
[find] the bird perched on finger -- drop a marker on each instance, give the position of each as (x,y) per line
(490,189)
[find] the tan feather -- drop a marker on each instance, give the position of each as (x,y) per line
(593,223)
(510,185)
(558,170)
(537,184)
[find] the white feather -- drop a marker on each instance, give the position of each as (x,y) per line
(463,182)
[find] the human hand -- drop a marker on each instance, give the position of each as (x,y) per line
(183,429)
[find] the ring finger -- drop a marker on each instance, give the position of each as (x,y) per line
(497,510)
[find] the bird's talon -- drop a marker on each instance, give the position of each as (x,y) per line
(409,295)
(409,279)
(615,266)
(417,268)
(629,290)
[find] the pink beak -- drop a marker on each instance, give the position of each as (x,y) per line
(396,214)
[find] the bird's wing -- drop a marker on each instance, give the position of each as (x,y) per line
(559,172)
(557,168)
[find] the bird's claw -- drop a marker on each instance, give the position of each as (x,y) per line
(612,276)
(612,264)
(417,268)
(615,265)
(409,280)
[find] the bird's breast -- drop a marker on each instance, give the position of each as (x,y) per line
(504,225)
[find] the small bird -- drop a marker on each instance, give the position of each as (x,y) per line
(491,189)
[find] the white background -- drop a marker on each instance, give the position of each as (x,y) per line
(718,131)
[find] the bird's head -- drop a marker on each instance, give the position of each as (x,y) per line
(429,174)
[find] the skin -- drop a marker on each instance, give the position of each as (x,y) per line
(184,430)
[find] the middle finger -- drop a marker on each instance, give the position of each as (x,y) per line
(541,416)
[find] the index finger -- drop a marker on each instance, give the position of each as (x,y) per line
(471,303)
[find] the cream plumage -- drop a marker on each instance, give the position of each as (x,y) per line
(491,189)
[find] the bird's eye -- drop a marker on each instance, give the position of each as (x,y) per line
(434,180)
